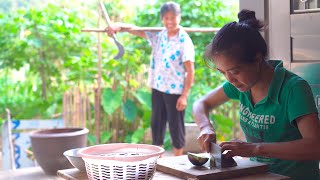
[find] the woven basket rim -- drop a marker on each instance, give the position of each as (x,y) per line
(95,152)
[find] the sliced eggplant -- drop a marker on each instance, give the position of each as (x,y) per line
(197,159)
(227,162)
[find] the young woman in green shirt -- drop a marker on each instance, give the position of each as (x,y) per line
(277,110)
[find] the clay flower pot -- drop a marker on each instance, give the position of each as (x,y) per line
(49,145)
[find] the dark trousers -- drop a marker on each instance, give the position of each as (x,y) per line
(163,110)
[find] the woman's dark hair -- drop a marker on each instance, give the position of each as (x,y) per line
(170,7)
(239,40)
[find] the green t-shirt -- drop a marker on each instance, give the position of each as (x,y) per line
(273,119)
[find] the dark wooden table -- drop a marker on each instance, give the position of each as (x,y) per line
(31,173)
(75,174)
(181,167)
(177,168)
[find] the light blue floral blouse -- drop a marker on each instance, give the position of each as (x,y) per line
(167,72)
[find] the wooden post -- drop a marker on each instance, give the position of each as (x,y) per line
(97,104)
(84,109)
(11,149)
(64,108)
(89,115)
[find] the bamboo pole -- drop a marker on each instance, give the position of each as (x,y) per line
(76,107)
(81,108)
(98,90)
(89,117)
(11,146)
(156,29)
(68,110)
(74,117)
(64,109)
(70,107)
(84,114)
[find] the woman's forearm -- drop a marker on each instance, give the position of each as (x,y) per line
(204,105)
(138,33)
(201,115)
(188,82)
(125,27)
(303,149)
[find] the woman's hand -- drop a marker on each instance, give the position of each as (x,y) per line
(206,136)
(119,27)
(181,103)
(124,27)
(240,148)
(113,29)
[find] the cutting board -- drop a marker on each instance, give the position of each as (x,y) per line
(181,167)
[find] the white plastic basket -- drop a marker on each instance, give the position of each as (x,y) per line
(121,161)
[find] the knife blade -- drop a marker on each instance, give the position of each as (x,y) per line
(215,155)
(218,159)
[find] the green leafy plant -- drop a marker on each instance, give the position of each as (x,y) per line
(42,45)
(129,110)
(111,100)
(45,45)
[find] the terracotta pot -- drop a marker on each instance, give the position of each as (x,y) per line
(49,145)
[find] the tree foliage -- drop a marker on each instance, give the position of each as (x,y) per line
(43,53)
(47,47)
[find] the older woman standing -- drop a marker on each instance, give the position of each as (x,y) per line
(171,74)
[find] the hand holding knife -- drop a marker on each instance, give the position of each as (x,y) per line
(218,159)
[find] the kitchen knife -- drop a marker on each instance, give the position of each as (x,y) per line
(218,159)
(215,155)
